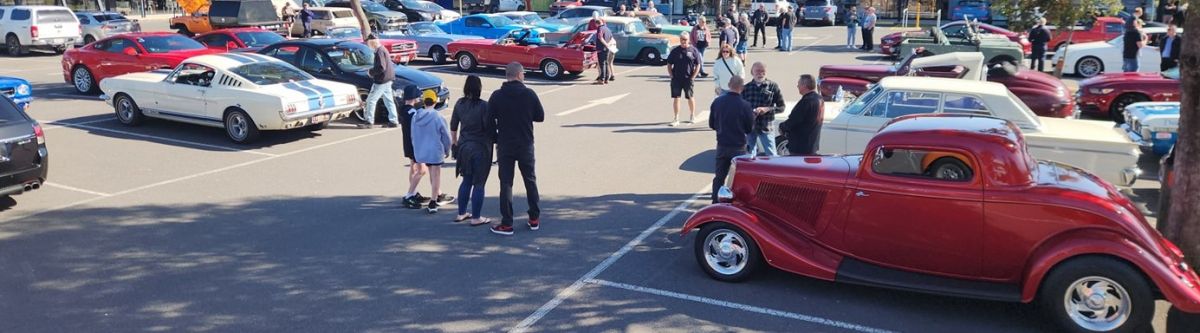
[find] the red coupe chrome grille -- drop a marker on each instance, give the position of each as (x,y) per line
(802,203)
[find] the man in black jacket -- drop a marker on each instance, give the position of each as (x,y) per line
(1169,46)
(1038,36)
(733,119)
(803,126)
(382,73)
(514,108)
(759,19)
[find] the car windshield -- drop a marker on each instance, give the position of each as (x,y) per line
(108,17)
(527,18)
(259,38)
(857,106)
(659,20)
(636,27)
(500,21)
(270,72)
(351,57)
(344,32)
(373,7)
(168,43)
(412,4)
(817,3)
(423,28)
(432,6)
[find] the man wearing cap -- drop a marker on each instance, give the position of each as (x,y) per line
(382,72)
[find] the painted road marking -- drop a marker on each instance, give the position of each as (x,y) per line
(806,46)
(564,294)
(76,189)
(155,137)
(739,306)
(594,103)
(47,128)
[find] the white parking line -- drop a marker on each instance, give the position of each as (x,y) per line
(806,46)
(76,189)
(564,294)
(69,96)
(47,128)
(155,137)
(739,306)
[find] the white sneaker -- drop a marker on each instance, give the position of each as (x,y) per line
(674,123)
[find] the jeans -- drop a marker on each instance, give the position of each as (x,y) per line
(605,70)
(1167,63)
(701,49)
(469,191)
(379,90)
(522,157)
(850,32)
(778,35)
(307,29)
(766,139)
(786,39)
(760,30)
(725,157)
(1129,65)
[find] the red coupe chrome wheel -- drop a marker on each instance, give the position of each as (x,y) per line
(1097,294)
(726,253)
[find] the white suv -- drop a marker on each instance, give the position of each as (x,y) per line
(51,28)
(771,6)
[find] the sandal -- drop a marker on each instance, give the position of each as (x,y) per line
(462,217)
(481,221)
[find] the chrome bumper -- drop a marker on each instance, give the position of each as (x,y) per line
(724,194)
(1135,137)
(1130,175)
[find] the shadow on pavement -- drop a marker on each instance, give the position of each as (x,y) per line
(204,138)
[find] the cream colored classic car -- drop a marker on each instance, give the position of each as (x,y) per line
(1096,146)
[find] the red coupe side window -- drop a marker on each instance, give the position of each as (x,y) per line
(921,163)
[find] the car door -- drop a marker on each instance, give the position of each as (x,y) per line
(906,215)
(475,26)
(622,34)
(861,127)
(184,96)
(312,61)
(114,58)
(287,53)
(219,41)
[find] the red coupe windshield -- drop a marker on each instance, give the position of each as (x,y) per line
(168,43)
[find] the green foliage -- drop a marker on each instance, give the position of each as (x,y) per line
(1063,13)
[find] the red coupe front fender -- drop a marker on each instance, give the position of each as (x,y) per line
(829,86)
(780,246)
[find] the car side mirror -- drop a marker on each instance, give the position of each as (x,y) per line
(230,45)
(130,51)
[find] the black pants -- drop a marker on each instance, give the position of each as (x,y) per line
(778,35)
(1168,63)
(1037,60)
(760,30)
(725,157)
(522,157)
(868,40)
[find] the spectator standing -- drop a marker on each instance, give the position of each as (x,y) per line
(306,16)
(1039,35)
(473,135)
(728,34)
(733,119)
(759,19)
(779,10)
(604,48)
(432,142)
(1170,45)
(514,108)
(1135,40)
(1167,13)
(288,14)
(731,14)
(382,73)
(868,29)
(1180,14)
(700,35)
(595,22)
(725,68)
(623,11)
(767,100)
(743,29)
(851,26)
(803,126)
(416,170)
(786,21)
(683,64)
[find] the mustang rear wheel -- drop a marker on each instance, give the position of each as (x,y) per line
(1097,294)
(239,127)
(727,253)
(83,80)
(466,62)
(127,110)
(552,69)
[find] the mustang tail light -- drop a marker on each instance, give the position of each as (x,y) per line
(351,98)
(41,135)
(290,109)
(33,32)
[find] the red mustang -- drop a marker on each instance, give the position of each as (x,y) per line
(85,66)
(949,204)
(239,39)
(556,62)
(1046,95)
(890,43)
(1109,94)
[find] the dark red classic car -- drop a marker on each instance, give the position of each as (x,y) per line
(1107,95)
(555,62)
(949,204)
(1045,94)
(85,66)
(890,43)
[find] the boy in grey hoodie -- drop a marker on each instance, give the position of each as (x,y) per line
(431,145)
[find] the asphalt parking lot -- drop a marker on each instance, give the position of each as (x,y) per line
(169,227)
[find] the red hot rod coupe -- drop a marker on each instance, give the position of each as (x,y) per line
(952,205)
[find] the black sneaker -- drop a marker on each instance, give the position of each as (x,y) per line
(391,125)
(410,203)
(420,198)
(443,199)
(533,224)
(433,207)
(502,230)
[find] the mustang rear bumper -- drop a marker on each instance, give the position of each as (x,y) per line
(310,117)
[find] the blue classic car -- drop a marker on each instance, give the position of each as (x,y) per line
(972,9)
(431,40)
(18,90)
(490,26)
(531,18)
(1153,125)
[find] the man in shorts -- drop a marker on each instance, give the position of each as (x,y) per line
(683,64)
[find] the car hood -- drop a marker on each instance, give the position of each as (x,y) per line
(1027,77)
(420,78)
(480,41)
(8,81)
(1111,78)
(865,72)
(389,14)
(536,29)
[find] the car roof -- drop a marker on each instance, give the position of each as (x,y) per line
(937,84)
(98,13)
(230,60)
(315,42)
(35,7)
(517,13)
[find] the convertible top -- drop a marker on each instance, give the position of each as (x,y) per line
(972,61)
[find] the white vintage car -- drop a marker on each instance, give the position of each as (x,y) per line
(1094,58)
(240,92)
(1093,145)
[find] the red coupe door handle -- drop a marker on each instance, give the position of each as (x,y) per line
(861,194)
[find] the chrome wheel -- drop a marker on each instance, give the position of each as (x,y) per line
(466,62)
(237,126)
(552,69)
(725,252)
(125,110)
(82,79)
(1097,303)
(1089,67)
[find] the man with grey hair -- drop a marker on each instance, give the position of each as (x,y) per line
(382,73)
(733,119)
(803,126)
(767,100)
(1038,37)
(513,109)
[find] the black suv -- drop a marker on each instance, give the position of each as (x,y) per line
(23,158)
(415,10)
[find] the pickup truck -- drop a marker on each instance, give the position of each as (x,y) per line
(1101,29)
(201,16)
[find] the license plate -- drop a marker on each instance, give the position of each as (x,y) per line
(317,119)
(1162,135)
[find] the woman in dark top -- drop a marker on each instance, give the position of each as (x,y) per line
(472,137)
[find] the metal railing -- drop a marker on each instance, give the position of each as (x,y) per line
(937,15)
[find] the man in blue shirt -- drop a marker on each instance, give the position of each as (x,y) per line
(1170,49)
(733,119)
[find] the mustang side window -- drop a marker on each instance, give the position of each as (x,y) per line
(216,40)
(196,75)
(919,163)
(474,22)
(956,103)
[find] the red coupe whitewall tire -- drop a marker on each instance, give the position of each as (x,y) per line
(726,252)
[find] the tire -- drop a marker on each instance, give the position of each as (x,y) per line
(1116,110)
(949,168)
(1089,66)
(781,146)
(13,45)
(1056,47)
(438,54)
(521,8)
(239,127)
(128,112)
(88,39)
(465,62)
(650,56)
(1126,299)
(726,253)
(375,25)
(553,69)
(380,111)
(83,80)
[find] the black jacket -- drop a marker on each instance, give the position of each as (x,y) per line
(476,132)
(759,18)
(1175,48)
(383,71)
(514,108)
(803,126)
(1038,37)
(732,118)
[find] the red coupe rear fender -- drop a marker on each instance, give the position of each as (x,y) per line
(1178,286)
(781,249)
(854,86)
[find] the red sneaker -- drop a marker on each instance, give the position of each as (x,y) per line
(533,224)
(502,230)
